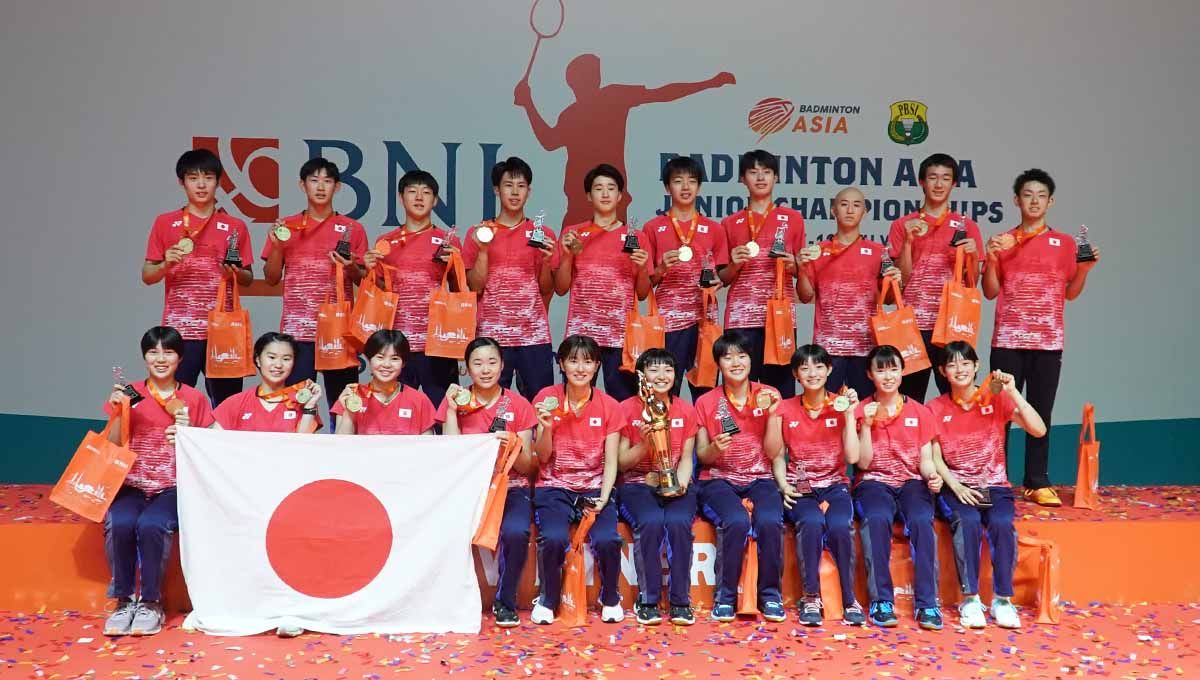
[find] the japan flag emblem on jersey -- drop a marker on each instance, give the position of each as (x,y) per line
(594,422)
(677,422)
(831,422)
(910,422)
(1054,242)
(435,240)
(864,251)
(221,226)
(987,410)
(405,413)
(339,228)
(509,417)
(782,218)
(702,229)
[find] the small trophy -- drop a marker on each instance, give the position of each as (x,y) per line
(803,486)
(537,237)
(126,388)
(232,255)
(631,239)
(958,237)
(726,418)
(658,441)
(443,248)
(886,263)
(778,249)
(708,275)
(499,424)
(343,246)
(1083,247)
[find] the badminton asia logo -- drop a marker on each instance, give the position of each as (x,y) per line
(773,114)
(909,122)
(251,178)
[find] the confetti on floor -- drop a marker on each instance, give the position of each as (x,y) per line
(1140,641)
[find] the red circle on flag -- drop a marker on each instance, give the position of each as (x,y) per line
(329,538)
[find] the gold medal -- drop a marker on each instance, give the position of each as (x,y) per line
(354,403)
(484,234)
(995,386)
(303,395)
(840,403)
(186,245)
(549,403)
(764,399)
(685,253)
(754,248)
(871,409)
(922,228)
(174,406)
(383,247)
(462,397)
(282,233)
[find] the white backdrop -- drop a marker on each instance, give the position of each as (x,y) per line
(100,98)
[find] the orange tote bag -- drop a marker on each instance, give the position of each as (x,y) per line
(333,351)
(97,470)
(487,535)
(899,328)
(1087,479)
(642,332)
(375,308)
(704,372)
(574,591)
(451,313)
(230,337)
(780,332)
(962,304)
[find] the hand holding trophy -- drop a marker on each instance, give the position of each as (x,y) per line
(658,441)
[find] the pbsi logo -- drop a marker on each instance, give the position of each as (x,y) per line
(251,180)
(908,123)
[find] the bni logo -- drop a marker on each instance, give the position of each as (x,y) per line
(251,178)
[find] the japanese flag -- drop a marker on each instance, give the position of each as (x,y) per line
(334,533)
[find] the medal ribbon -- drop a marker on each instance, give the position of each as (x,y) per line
(826,403)
(836,248)
(388,394)
(733,402)
(474,405)
(936,222)
(755,228)
(982,395)
(1022,236)
(162,401)
(187,218)
(288,393)
(881,417)
(695,222)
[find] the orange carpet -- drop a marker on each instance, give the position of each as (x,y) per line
(1144,641)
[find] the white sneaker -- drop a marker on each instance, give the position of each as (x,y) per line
(612,614)
(1005,613)
(970,613)
(541,615)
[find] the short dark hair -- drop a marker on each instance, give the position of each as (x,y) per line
(758,157)
(198,160)
(941,160)
(1033,175)
(814,353)
(482,341)
(260,345)
(514,167)
(603,170)
(578,344)
(314,165)
(959,349)
(417,177)
(682,166)
(729,341)
(655,356)
(384,338)
(166,336)
(884,356)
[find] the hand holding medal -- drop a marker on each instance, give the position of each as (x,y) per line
(767,400)
(352,398)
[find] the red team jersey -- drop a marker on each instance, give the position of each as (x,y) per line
(1033,292)
(746,303)
(932,262)
(578,441)
(896,446)
(846,285)
(678,294)
(245,411)
(745,460)
(510,307)
(154,469)
(409,412)
(308,272)
(814,442)
(602,290)
(973,441)
(683,423)
(190,287)
(416,277)
(518,417)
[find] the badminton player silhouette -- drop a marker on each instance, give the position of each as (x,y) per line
(592,128)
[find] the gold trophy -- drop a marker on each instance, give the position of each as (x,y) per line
(658,441)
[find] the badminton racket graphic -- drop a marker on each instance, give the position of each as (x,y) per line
(542,34)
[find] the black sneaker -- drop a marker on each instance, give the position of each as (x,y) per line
(929,618)
(852,615)
(505,617)
(811,612)
(682,615)
(883,614)
(647,614)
